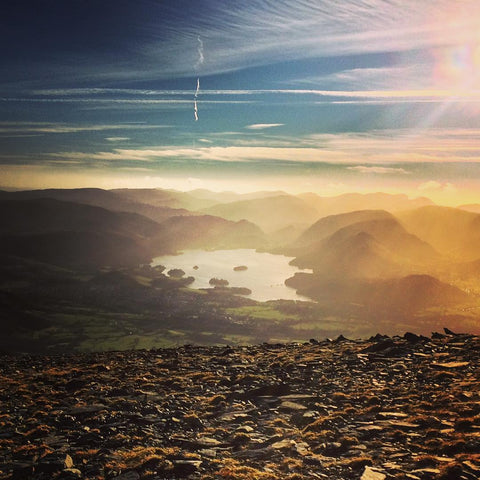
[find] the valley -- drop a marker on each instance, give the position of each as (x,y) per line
(77,271)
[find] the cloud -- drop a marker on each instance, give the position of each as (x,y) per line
(378,152)
(433,185)
(247,34)
(26,127)
(258,34)
(262,126)
(379,170)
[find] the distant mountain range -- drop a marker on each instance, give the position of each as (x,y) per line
(376,250)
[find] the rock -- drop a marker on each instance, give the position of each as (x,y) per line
(184,468)
(371,474)
(69,474)
(291,406)
(130,475)
(412,337)
(22,470)
(75,384)
(324,409)
(68,461)
(450,365)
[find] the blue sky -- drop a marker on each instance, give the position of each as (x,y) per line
(320,96)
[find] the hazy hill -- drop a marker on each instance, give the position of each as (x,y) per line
(108,199)
(164,198)
(328,225)
(372,248)
(208,232)
(269,213)
(449,230)
(473,207)
(228,197)
(356,201)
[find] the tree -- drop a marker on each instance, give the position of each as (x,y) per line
(176,273)
(218,282)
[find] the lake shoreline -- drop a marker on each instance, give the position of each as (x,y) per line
(263,273)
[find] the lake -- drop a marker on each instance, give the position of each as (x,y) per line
(265,274)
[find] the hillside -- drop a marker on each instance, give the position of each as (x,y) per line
(472,207)
(397,298)
(372,248)
(108,199)
(45,215)
(383,408)
(72,234)
(208,232)
(327,226)
(164,198)
(270,213)
(350,202)
(449,230)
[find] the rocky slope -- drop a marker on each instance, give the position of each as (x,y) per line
(386,408)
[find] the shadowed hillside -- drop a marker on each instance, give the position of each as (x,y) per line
(115,200)
(73,234)
(397,298)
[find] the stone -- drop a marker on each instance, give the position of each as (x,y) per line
(130,475)
(371,474)
(70,474)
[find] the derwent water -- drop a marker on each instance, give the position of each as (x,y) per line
(265,274)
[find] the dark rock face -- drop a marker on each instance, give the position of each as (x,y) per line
(385,408)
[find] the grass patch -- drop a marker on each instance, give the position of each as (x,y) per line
(262,312)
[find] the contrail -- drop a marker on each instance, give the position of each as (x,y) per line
(201,58)
(195,108)
(199,63)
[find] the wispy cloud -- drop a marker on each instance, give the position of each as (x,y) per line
(246,34)
(16,127)
(433,185)
(262,126)
(374,152)
(378,170)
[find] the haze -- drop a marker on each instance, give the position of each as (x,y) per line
(328,98)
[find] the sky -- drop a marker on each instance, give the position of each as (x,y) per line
(294,95)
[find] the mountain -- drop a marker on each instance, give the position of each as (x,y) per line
(164,198)
(73,234)
(356,201)
(473,207)
(367,249)
(269,213)
(47,215)
(451,231)
(84,249)
(401,296)
(117,201)
(328,225)
(208,232)
(228,197)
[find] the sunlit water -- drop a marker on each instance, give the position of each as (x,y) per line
(265,274)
